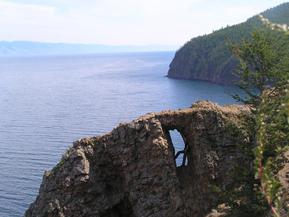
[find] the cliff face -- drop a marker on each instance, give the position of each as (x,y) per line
(131,171)
(209,58)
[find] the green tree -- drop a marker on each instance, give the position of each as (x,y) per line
(264,73)
(257,59)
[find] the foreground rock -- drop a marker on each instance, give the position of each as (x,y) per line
(131,172)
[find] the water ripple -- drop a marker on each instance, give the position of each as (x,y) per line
(48,102)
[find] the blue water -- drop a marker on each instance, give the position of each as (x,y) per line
(48,102)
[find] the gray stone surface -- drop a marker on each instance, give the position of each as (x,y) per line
(131,171)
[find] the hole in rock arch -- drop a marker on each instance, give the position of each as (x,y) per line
(179,146)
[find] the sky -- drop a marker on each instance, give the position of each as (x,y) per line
(121,22)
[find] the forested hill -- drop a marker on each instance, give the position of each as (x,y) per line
(209,57)
(279,14)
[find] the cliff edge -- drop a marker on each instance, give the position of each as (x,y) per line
(131,171)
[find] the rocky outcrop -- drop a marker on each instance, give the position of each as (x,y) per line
(131,171)
(283,177)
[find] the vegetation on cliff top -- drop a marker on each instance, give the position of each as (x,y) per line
(264,73)
(209,58)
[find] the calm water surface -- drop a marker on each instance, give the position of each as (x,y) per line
(48,102)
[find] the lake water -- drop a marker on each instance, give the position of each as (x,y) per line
(48,102)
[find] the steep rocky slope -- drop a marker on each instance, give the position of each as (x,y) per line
(131,171)
(209,57)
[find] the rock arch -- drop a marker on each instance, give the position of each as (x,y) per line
(131,171)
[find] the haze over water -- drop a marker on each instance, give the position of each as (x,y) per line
(48,102)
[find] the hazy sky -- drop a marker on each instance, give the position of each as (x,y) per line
(126,22)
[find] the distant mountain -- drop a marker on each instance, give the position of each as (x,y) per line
(209,58)
(26,48)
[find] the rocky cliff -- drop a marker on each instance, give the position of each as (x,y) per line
(209,58)
(131,171)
